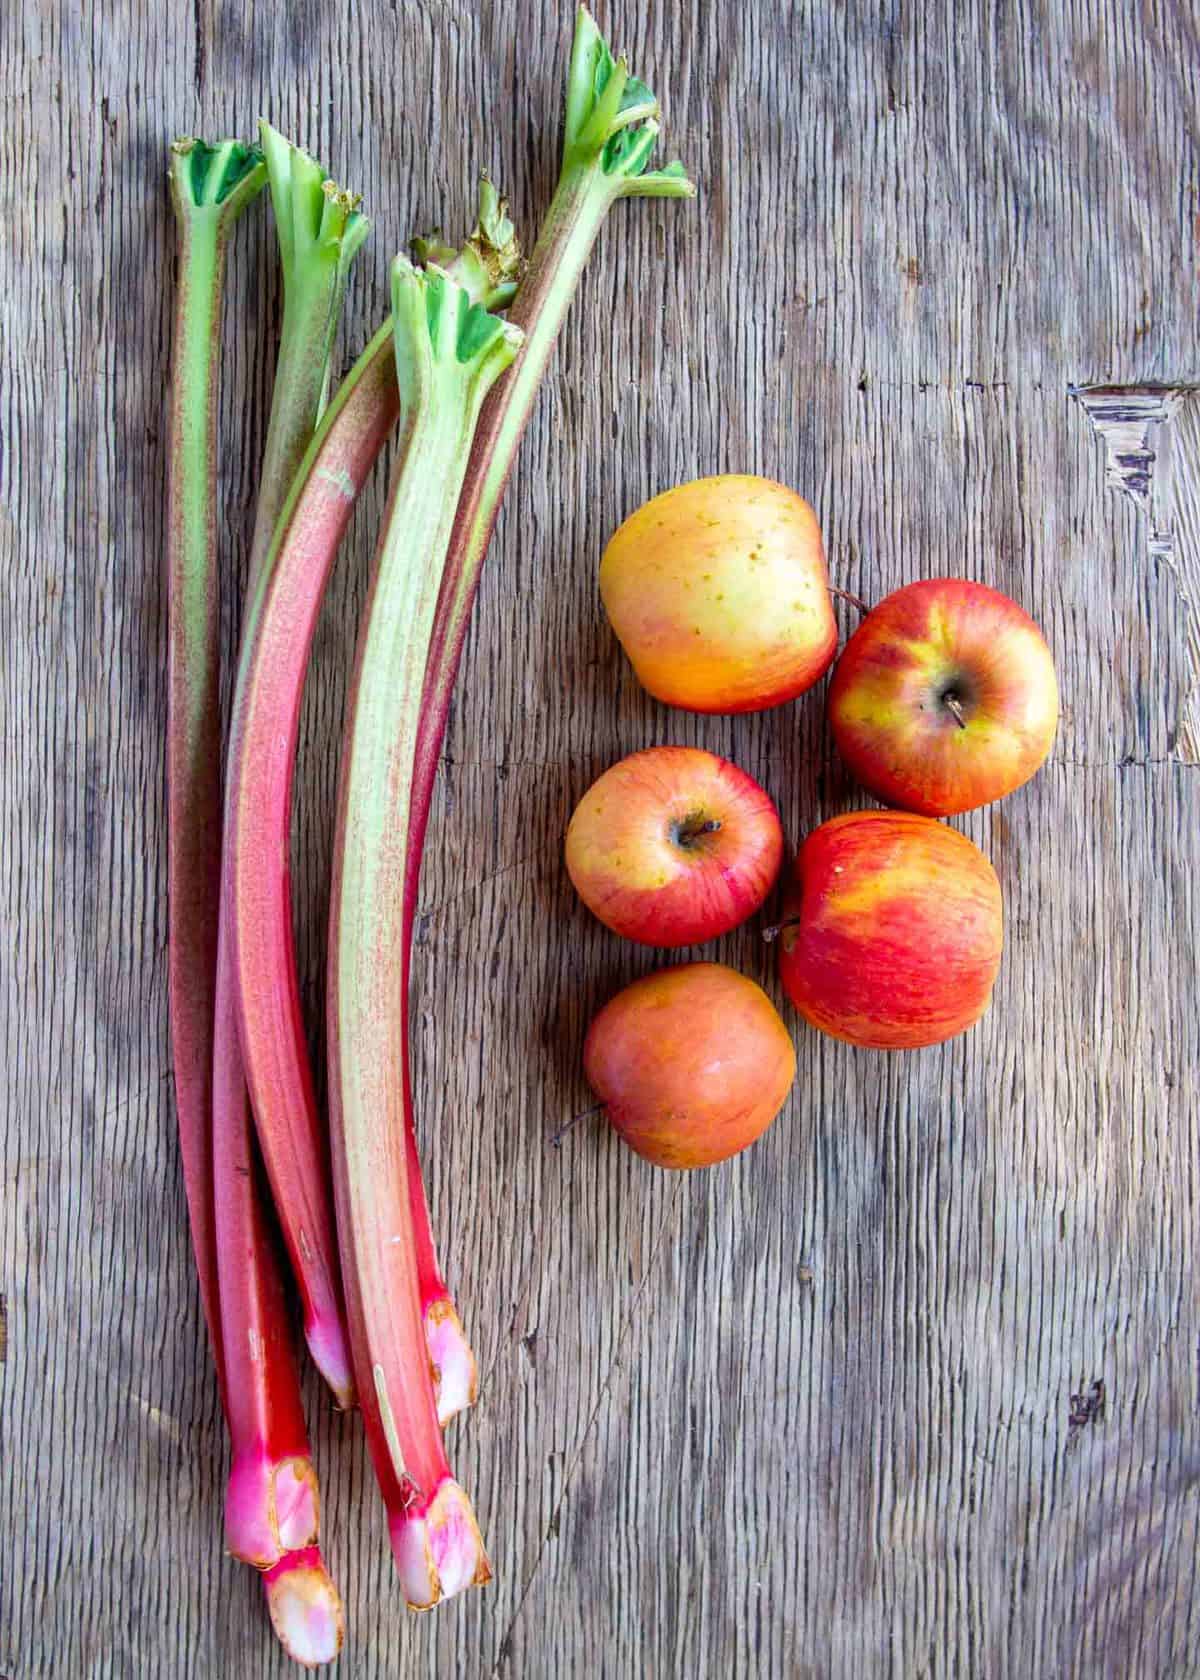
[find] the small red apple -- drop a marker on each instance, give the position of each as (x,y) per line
(691,1064)
(718,593)
(674,845)
(944,698)
(897,931)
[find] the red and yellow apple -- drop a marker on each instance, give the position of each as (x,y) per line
(674,845)
(944,698)
(691,1064)
(893,932)
(718,593)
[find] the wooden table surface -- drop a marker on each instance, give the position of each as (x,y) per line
(807,1414)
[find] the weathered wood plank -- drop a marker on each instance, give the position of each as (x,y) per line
(807,1414)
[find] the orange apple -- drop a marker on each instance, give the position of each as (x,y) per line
(718,593)
(944,698)
(674,845)
(894,930)
(691,1064)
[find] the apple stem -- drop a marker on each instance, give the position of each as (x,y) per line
(560,1134)
(954,706)
(854,600)
(689,831)
(776,928)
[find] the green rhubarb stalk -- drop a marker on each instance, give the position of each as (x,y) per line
(449,353)
(320,231)
(210,187)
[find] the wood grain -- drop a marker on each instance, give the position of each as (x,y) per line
(807,1414)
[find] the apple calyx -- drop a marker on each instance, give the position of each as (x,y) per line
(954,706)
(687,832)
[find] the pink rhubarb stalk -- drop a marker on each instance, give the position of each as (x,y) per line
(209,186)
(319,230)
(282,616)
(271,1506)
(449,354)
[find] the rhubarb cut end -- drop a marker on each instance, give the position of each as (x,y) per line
(327,1348)
(305,1607)
(315,219)
(224,174)
(270,1508)
(455,1377)
(438,1548)
(612,120)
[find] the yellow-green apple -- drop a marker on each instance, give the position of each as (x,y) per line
(718,593)
(674,845)
(893,931)
(944,698)
(691,1064)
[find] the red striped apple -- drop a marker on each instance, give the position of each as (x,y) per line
(944,698)
(893,932)
(674,845)
(691,1064)
(718,593)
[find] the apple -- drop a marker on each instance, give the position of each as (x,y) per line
(894,929)
(674,845)
(944,698)
(718,593)
(691,1064)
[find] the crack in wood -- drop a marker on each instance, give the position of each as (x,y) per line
(1138,426)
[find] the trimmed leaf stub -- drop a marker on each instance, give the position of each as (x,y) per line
(439,331)
(314,217)
(612,120)
(207,174)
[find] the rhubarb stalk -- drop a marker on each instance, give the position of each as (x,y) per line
(272,1505)
(281,618)
(449,354)
(319,230)
(611,129)
(210,185)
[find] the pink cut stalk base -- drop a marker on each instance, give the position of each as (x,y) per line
(454,1374)
(305,1609)
(439,1551)
(270,1507)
